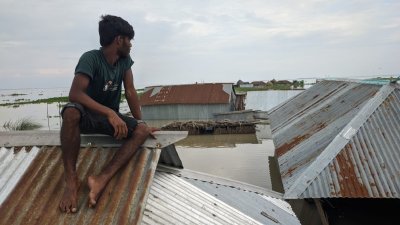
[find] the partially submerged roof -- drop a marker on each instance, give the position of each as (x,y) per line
(188,197)
(339,139)
(31,186)
(207,93)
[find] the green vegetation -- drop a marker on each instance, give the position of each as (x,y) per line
(22,124)
(246,89)
(16,94)
(38,101)
(63,99)
(271,85)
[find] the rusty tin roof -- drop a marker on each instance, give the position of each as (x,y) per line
(218,93)
(31,186)
(31,183)
(35,199)
(338,139)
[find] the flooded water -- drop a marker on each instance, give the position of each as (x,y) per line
(242,157)
(238,157)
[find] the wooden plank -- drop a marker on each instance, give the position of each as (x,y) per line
(41,138)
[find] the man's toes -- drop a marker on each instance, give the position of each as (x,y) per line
(62,207)
(74,209)
(92,203)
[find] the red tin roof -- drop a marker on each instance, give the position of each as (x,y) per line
(186,94)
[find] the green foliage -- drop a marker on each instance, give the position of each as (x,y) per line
(38,101)
(278,86)
(139,92)
(21,124)
(246,89)
(16,94)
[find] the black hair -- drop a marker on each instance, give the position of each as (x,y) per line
(113,26)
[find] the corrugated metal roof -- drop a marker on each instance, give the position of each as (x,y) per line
(337,139)
(188,94)
(31,186)
(36,197)
(176,199)
(270,98)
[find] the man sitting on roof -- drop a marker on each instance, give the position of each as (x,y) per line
(95,95)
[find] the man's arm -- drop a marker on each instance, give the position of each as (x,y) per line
(131,95)
(78,94)
(133,100)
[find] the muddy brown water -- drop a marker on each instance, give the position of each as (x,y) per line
(240,157)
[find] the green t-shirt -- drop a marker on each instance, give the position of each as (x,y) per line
(105,79)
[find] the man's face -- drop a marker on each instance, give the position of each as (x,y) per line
(124,47)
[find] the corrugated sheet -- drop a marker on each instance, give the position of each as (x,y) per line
(188,94)
(368,166)
(305,130)
(32,186)
(12,167)
(267,100)
(184,200)
(36,197)
(183,112)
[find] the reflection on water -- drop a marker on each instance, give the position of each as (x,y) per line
(236,157)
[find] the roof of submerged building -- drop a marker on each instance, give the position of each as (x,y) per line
(31,186)
(199,93)
(339,139)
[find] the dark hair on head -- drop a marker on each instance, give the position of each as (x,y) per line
(112,26)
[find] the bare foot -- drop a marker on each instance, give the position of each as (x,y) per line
(69,201)
(96,186)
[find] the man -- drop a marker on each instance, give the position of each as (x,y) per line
(95,95)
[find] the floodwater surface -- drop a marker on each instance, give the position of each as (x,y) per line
(238,157)
(242,157)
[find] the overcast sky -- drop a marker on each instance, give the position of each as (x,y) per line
(187,41)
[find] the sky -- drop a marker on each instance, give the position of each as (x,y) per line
(188,41)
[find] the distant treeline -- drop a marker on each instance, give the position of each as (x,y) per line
(270,85)
(62,99)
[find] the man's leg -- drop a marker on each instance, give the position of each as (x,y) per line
(122,156)
(70,144)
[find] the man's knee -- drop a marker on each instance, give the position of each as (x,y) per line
(141,131)
(71,115)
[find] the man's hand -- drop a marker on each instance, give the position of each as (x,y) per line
(151,130)
(120,128)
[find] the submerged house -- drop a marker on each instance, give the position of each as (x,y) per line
(188,102)
(337,147)
(151,189)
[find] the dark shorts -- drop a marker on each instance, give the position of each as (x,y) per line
(93,123)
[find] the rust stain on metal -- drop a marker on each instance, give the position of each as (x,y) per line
(347,177)
(281,150)
(126,210)
(386,104)
(155,155)
(35,198)
(187,94)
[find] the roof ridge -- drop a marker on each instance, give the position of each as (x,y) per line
(337,144)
